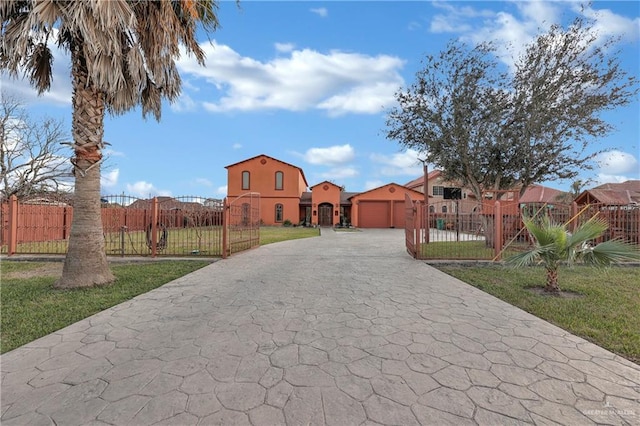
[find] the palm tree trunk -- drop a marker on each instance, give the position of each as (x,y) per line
(552,281)
(86,262)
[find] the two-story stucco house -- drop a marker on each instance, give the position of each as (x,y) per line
(286,195)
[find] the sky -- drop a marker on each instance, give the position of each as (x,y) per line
(310,83)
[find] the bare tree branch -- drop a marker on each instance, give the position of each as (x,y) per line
(32,161)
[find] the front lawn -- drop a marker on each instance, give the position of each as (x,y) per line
(275,234)
(604,306)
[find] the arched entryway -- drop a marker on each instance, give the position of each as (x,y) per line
(325,214)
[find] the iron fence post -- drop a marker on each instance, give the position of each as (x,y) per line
(13,225)
(225,224)
(154,227)
(497,230)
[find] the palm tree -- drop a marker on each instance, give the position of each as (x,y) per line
(555,245)
(122,54)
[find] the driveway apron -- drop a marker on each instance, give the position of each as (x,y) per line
(344,329)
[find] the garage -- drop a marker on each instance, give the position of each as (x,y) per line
(399,213)
(374,214)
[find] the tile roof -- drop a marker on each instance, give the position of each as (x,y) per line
(541,194)
(418,182)
(619,194)
(354,194)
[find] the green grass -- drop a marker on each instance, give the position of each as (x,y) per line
(275,234)
(32,308)
(460,250)
(607,311)
(204,241)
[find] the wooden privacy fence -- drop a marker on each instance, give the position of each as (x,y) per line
(494,230)
(160,226)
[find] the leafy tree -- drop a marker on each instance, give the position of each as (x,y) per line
(555,245)
(122,54)
(31,155)
(492,128)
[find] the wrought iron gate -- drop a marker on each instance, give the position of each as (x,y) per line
(410,227)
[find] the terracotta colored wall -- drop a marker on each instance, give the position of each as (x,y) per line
(325,192)
(263,180)
(388,193)
(290,211)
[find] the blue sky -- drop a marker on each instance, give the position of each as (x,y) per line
(309,82)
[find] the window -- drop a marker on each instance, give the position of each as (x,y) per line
(246,180)
(444,209)
(279,180)
(438,190)
(279,215)
(432,208)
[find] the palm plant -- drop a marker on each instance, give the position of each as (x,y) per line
(122,54)
(555,245)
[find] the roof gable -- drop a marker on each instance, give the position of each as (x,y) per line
(387,185)
(327,183)
(273,159)
(620,194)
(420,180)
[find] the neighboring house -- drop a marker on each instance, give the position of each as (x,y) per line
(613,194)
(286,195)
(437,188)
(538,194)
(166,203)
(619,204)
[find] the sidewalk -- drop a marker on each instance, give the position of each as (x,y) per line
(342,329)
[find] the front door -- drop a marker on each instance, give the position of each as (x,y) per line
(325,215)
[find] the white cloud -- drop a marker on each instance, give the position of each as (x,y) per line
(338,154)
(285,47)
(605,178)
(340,173)
(543,13)
(203,182)
(399,164)
(444,24)
(513,32)
(108,152)
(617,162)
(184,103)
(371,184)
(320,11)
(222,190)
(337,82)
(610,24)
(236,146)
(144,189)
(455,17)
(109,179)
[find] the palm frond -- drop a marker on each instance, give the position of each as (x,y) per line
(609,252)
(589,230)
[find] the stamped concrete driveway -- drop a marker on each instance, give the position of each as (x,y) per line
(342,329)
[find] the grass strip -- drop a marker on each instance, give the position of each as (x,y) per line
(275,234)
